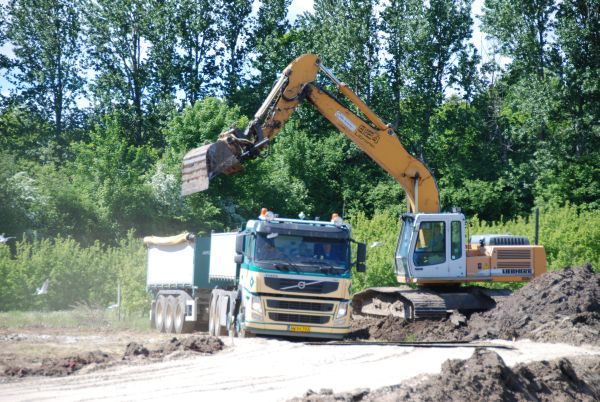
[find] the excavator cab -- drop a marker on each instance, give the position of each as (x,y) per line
(431,247)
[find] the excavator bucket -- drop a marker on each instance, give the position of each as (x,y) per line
(200,165)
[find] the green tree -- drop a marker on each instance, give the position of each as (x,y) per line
(270,51)
(428,53)
(522,29)
(46,71)
(197,36)
(111,171)
(234,28)
(4,60)
(116,34)
(163,77)
(344,33)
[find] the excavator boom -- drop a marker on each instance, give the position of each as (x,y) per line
(296,83)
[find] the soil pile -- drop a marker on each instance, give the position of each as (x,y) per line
(63,366)
(559,306)
(397,329)
(195,343)
(199,344)
(485,376)
(59,367)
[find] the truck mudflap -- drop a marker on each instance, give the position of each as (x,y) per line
(426,302)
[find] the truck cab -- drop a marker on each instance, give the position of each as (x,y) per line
(295,277)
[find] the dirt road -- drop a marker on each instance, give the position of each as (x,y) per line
(266,369)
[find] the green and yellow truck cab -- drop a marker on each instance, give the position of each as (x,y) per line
(276,276)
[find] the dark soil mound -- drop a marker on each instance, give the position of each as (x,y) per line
(485,376)
(199,344)
(397,329)
(559,306)
(135,349)
(59,367)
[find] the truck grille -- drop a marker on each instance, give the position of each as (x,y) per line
(514,254)
(301,286)
(299,305)
(300,318)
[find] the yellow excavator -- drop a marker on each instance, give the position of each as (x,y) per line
(431,252)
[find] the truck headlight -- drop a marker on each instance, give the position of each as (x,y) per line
(255,305)
(342,310)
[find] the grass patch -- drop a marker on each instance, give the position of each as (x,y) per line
(77,318)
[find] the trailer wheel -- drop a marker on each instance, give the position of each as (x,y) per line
(170,313)
(179,315)
(159,313)
(180,325)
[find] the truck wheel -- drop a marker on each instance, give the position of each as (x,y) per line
(243,332)
(170,314)
(219,329)
(180,325)
(212,315)
(159,313)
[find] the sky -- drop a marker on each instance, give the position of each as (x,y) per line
(297,7)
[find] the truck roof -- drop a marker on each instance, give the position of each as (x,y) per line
(300,227)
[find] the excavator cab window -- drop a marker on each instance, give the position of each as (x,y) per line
(430,248)
(455,240)
(404,245)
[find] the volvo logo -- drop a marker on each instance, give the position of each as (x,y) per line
(301,285)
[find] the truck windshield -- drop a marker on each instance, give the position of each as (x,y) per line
(308,254)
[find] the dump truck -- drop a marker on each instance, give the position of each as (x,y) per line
(276,276)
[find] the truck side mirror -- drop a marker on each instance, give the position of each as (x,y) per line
(239,243)
(361,257)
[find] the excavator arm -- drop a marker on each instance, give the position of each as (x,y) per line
(296,83)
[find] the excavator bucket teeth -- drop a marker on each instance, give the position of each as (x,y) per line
(200,165)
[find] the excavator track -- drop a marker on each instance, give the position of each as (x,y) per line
(424,303)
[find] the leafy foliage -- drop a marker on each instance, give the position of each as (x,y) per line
(107,97)
(75,274)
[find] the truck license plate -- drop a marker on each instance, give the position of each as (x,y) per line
(299,328)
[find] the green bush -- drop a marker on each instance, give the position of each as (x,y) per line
(76,274)
(380,233)
(570,235)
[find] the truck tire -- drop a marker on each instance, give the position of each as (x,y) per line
(212,315)
(170,305)
(243,332)
(159,313)
(220,329)
(180,325)
(179,315)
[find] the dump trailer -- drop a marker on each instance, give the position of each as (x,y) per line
(276,276)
